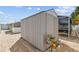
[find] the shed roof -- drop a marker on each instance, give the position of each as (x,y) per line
(46,11)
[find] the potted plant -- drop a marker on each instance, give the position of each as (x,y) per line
(50,38)
(53,43)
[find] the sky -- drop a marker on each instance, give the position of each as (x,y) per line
(10,14)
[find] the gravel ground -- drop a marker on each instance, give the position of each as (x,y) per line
(7,40)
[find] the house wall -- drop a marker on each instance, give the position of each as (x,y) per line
(4,27)
(35,29)
(64,24)
(16,29)
(10,27)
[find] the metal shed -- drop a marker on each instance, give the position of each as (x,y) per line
(35,28)
(16,27)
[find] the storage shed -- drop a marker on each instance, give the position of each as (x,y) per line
(16,27)
(35,28)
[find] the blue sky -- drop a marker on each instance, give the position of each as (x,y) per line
(9,14)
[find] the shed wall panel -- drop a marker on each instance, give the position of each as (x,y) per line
(35,28)
(52,25)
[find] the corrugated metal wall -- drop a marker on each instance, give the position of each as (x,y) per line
(52,25)
(36,27)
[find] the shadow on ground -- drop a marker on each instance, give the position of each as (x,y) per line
(23,46)
(64,35)
(10,32)
(19,47)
